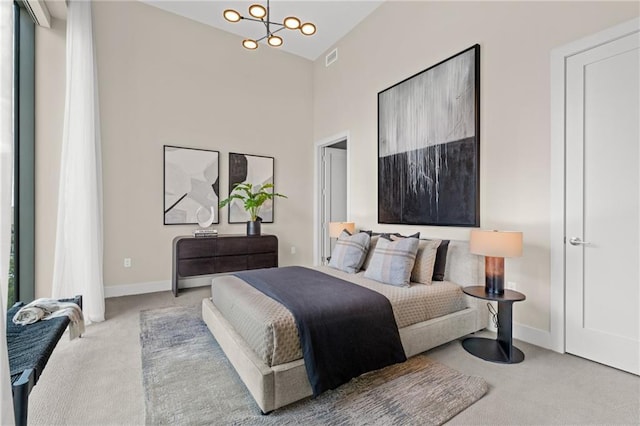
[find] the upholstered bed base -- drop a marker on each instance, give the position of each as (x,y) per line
(280,385)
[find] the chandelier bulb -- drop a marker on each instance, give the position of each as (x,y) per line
(308,28)
(291,22)
(231,15)
(257,11)
(250,44)
(274,41)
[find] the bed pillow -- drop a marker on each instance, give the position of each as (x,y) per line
(392,261)
(398,235)
(349,252)
(372,247)
(423,267)
(441,261)
(374,240)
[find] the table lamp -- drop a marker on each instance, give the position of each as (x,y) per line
(495,246)
(336,228)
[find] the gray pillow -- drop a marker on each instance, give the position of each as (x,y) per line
(349,252)
(393,261)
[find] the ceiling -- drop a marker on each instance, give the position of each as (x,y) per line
(334,19)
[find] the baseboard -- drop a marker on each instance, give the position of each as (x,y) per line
(532,335)
(119,290)
(136,288)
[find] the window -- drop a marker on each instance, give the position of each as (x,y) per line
(22,262)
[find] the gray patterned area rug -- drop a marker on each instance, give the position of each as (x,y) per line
(188,380)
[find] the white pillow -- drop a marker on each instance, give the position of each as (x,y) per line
(425,260)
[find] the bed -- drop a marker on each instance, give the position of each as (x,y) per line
(258,338)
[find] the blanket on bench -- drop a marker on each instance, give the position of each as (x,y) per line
(29,348)
(345,329)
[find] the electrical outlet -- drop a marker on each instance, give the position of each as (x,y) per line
(293,250)
(127,262)
(512,286)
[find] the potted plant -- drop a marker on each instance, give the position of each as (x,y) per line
(252,201)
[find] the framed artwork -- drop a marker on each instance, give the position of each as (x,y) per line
(429,145)
(191,185)
(253,169)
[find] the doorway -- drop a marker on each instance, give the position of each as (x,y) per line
(332,176)
(596,231)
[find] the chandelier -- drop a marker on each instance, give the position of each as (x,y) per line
(261,14)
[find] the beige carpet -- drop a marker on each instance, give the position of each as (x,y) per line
(188,380)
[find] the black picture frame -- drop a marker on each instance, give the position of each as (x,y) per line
(429,145)
(191,179)
(257,170)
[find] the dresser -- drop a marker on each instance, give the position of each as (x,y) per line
(224,253)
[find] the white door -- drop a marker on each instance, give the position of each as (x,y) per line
(335,193)
(602,204)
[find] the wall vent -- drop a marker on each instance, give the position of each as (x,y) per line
(331,57)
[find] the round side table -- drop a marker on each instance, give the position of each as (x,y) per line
(500,350)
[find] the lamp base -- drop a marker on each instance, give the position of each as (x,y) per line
(494,275)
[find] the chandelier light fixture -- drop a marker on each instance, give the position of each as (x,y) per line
(261,14)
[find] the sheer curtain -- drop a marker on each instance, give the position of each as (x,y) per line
(78,254)
(6,185)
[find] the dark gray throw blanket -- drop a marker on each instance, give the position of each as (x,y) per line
(345,329)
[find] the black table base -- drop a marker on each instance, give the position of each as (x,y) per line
(492,350)
(501,349)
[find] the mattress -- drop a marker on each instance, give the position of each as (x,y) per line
(270,330)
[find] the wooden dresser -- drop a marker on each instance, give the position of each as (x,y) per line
(224,253)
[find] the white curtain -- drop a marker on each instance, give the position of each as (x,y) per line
(78,255)
(6,185)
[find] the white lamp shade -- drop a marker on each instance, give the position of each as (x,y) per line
(274,41)
(308,28)
(336,228)
(496,243)
(231,15)
(257,11)
(250,44)
(291,22)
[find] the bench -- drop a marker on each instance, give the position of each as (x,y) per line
(29,348)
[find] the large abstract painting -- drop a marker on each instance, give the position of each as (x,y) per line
(256,170)
(428,145)
(191,185)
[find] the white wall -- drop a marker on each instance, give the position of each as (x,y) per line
(164,79)
(400,39)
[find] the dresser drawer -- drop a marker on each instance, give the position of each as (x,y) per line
(267,260)
(230,263)
(231,245)
(263,244)
(196,247)
(191,267)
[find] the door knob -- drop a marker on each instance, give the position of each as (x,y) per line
(576,241)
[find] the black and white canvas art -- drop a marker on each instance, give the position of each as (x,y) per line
(428,145)
(256,170)
(191,185)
